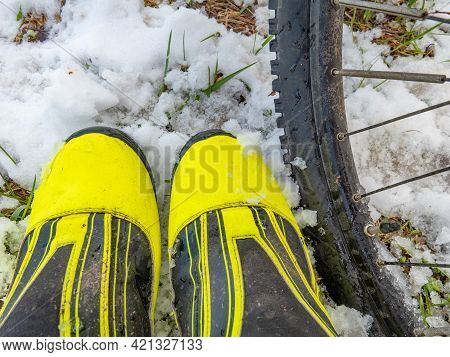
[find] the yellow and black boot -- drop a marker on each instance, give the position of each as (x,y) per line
(240,263)
(90,261)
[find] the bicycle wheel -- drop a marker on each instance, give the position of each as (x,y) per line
(308,44)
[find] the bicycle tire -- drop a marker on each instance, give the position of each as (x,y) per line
(308,45)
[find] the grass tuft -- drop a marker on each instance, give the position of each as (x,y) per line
(397,33)
(434,285)
(29,200)
(33,27)
(8,155)
(215,82)
(219,80)
(23,197)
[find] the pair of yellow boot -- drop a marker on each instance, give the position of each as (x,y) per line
(90,262)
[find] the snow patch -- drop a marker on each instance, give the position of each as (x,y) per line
(299,162)
(11,236)
(350,322)
(306,217)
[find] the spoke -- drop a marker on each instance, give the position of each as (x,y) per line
(342,136)
(402,11)
(396,76)
(358,197)
(424,265)
(438,18)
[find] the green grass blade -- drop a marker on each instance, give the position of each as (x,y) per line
(215,34)
(17,214)
(422,309)
(19,15)
(209,77)
(352,22)
(216,70)
(166,66)
(418,37)
(8,155)
(264,44)
(217,85)
(367,15)
(379,84)
(30,199)
(241,11)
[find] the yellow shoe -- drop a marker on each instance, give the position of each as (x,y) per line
(89,265)
(240,263)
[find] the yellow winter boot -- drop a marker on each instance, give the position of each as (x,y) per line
(89,265)
(240,263)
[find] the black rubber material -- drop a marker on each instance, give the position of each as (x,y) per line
(202,136)
(195,139)
(35,310)
(308,46)
(118,134)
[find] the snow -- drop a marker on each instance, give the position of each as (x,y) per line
(103,64)
(419,277)
(46,92)
(443,237)
(407,148)
(349,322)
(401,243)
(299,162)
(306,217)
(8,203)
(437,322)
(11,236)
(262,15)
(255,199)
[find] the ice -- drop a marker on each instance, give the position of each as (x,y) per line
(306,217)
(436,322)
(349,322)
(11,235)
(299,162)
